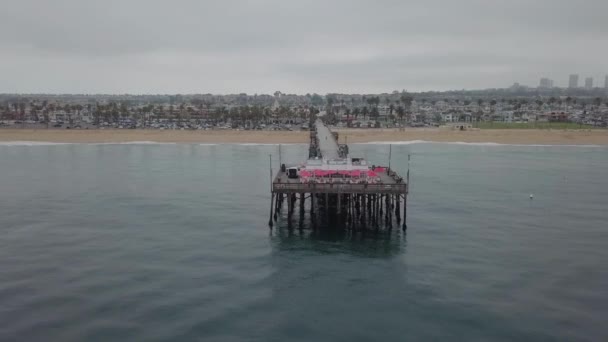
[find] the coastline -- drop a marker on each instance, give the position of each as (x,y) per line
(499,136)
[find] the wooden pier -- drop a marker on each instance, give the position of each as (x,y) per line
(334,188)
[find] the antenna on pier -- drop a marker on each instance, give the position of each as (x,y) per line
(390,150)
(279,155)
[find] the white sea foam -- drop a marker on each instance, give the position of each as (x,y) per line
(413,142)
(135,143)
(262,144)
(408,142)
(30,143)
(48,143)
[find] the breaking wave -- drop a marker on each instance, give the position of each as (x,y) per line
(413,142)
(30,143)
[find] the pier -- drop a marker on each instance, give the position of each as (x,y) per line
(338,189)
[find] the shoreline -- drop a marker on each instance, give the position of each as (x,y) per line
(498,136)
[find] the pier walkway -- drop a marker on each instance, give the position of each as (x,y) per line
(327,143)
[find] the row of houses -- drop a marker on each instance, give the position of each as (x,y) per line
(494,113)
(418,113)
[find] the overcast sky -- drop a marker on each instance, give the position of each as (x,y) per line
(199,46)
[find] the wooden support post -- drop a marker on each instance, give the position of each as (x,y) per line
(289,209)
(389,213)
(338,204)
(404,212)
(302,201)
(398,208)
(355,212)
(301,216)
(276,206)
(372,203)
(271,204)
(351,208)
(373,207)
(377,215)
(327,207)
(364,208)
(313,212)
(347,207)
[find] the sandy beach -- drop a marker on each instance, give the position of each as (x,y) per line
(501,136)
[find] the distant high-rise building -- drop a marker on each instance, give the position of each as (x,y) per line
(606,82)
(545,83)
(589,83)
(573,82)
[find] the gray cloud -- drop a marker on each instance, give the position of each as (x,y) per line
(150,46)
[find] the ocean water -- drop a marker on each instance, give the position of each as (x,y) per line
(160,242)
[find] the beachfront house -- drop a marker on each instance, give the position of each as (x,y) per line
(58,116)
(86,116)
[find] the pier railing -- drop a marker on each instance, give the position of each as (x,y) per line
(337,188)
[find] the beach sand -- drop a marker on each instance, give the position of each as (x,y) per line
(501,136)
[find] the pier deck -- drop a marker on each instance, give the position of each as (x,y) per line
(339,186)
(386,185)
(327,143)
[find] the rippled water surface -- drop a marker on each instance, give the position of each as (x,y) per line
(170,242)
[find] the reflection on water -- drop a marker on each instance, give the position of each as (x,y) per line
(325,240)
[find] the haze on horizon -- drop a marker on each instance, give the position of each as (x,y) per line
(348,46)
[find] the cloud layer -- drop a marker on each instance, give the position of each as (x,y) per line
(194,46)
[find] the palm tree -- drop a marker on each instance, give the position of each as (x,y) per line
(597,102)
(114,113)
(400,113)
(406,100)
(568,101)
(330,103)
(180,113)
(493,106)
(22,113)
(356,112)
(375,113)
(45,112)
(97,113)
(124,110)
(68,111)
